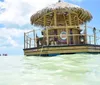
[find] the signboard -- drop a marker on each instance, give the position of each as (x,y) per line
(63,35)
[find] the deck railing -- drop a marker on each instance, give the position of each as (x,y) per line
(74,39)
(31,41)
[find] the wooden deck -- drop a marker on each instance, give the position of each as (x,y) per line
(62,49)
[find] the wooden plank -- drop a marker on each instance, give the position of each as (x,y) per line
(61,27)
(73,49)
(59,48)
(63,51)
(58,51)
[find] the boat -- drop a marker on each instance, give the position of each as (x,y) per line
(63,31)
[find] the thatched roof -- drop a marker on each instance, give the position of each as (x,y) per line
(62,6)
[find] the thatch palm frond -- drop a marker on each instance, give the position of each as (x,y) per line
(65,7)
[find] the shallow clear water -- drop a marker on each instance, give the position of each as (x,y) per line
(76,69)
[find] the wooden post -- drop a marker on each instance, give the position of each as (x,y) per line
(67,34)
(47,36)
(74,36)
(94,31)
(70,19)
(69,25)
(24,40)
(27,41)
(34,37)
(44,20)
(85,33)
(78,39)
(66,29)
(89,39)
(55,18)
(30,43)
(65,19)
(51,22)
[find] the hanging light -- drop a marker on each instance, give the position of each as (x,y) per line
(81,39)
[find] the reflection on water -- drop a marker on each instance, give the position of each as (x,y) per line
(76,69)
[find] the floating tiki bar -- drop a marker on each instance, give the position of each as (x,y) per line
(62,33)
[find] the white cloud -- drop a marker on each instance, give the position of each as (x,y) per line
(7,37)
(13,32)
(19,11)
(1,7)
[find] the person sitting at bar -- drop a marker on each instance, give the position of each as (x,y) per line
(37,41)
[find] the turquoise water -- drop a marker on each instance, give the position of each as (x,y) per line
(76,69)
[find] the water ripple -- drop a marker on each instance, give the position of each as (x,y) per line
(76,69)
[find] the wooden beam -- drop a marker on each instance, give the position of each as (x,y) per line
(29,32)
(42,17)
(81,20)
(30,43)
(84,17)
(44,20)
(27,41)
(89,39)
(67,35)
(85,34)
(70,19)
(34,37)
(65,19)
(67,40)
(51,21)
(94,32)
(47,39)
(81,14)
(77,19)
(60,27)
(55,18)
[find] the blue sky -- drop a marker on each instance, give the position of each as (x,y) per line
(15,20)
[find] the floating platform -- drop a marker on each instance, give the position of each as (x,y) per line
(62,30)
(61,49)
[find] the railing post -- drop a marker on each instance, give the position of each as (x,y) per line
(24,40)
(30,43)
(89,39)
(34,37)
(27,41)
(55,18)
(94,32)
(85,34)
(47,36)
